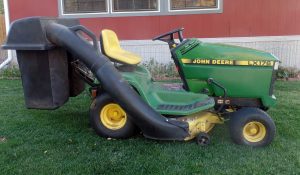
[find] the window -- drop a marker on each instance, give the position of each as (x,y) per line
(192,4)
(134,5)
(85,6)
(111,8)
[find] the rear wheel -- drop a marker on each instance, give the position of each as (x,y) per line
(251,127)
(108,119)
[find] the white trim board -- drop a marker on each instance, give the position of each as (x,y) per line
(253,39)
(223,40)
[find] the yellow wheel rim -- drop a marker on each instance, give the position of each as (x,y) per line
(113,116)
(254,131)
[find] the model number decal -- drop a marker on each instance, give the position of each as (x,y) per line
(227,62)
(260,63)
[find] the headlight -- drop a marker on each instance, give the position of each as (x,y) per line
(276,65)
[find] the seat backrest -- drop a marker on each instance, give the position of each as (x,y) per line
(110,40)
(110,46)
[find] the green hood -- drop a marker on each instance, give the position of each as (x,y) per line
(230,52)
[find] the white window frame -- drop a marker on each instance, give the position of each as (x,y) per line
(164,9)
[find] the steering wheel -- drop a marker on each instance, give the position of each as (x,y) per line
(169,36)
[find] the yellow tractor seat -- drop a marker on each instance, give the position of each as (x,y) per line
(111,48)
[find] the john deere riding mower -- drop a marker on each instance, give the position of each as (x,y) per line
(219,83)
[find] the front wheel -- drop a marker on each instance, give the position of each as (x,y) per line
(109,120)
(251,127)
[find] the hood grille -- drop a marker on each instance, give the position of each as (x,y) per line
(189,47)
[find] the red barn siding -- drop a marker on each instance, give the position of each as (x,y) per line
(240,18)
(26,8)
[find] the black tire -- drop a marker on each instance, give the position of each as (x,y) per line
(245,118)
(127,130)
(203,139)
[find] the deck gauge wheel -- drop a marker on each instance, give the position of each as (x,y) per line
(203,139)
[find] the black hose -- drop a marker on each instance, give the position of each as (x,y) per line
(152,124)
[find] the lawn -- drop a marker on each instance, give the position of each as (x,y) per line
(61,142)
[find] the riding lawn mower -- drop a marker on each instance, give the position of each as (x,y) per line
(219,83)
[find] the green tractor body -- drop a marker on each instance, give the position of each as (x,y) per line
(246,74)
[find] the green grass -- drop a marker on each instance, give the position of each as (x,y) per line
(61,142)
(10,73)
